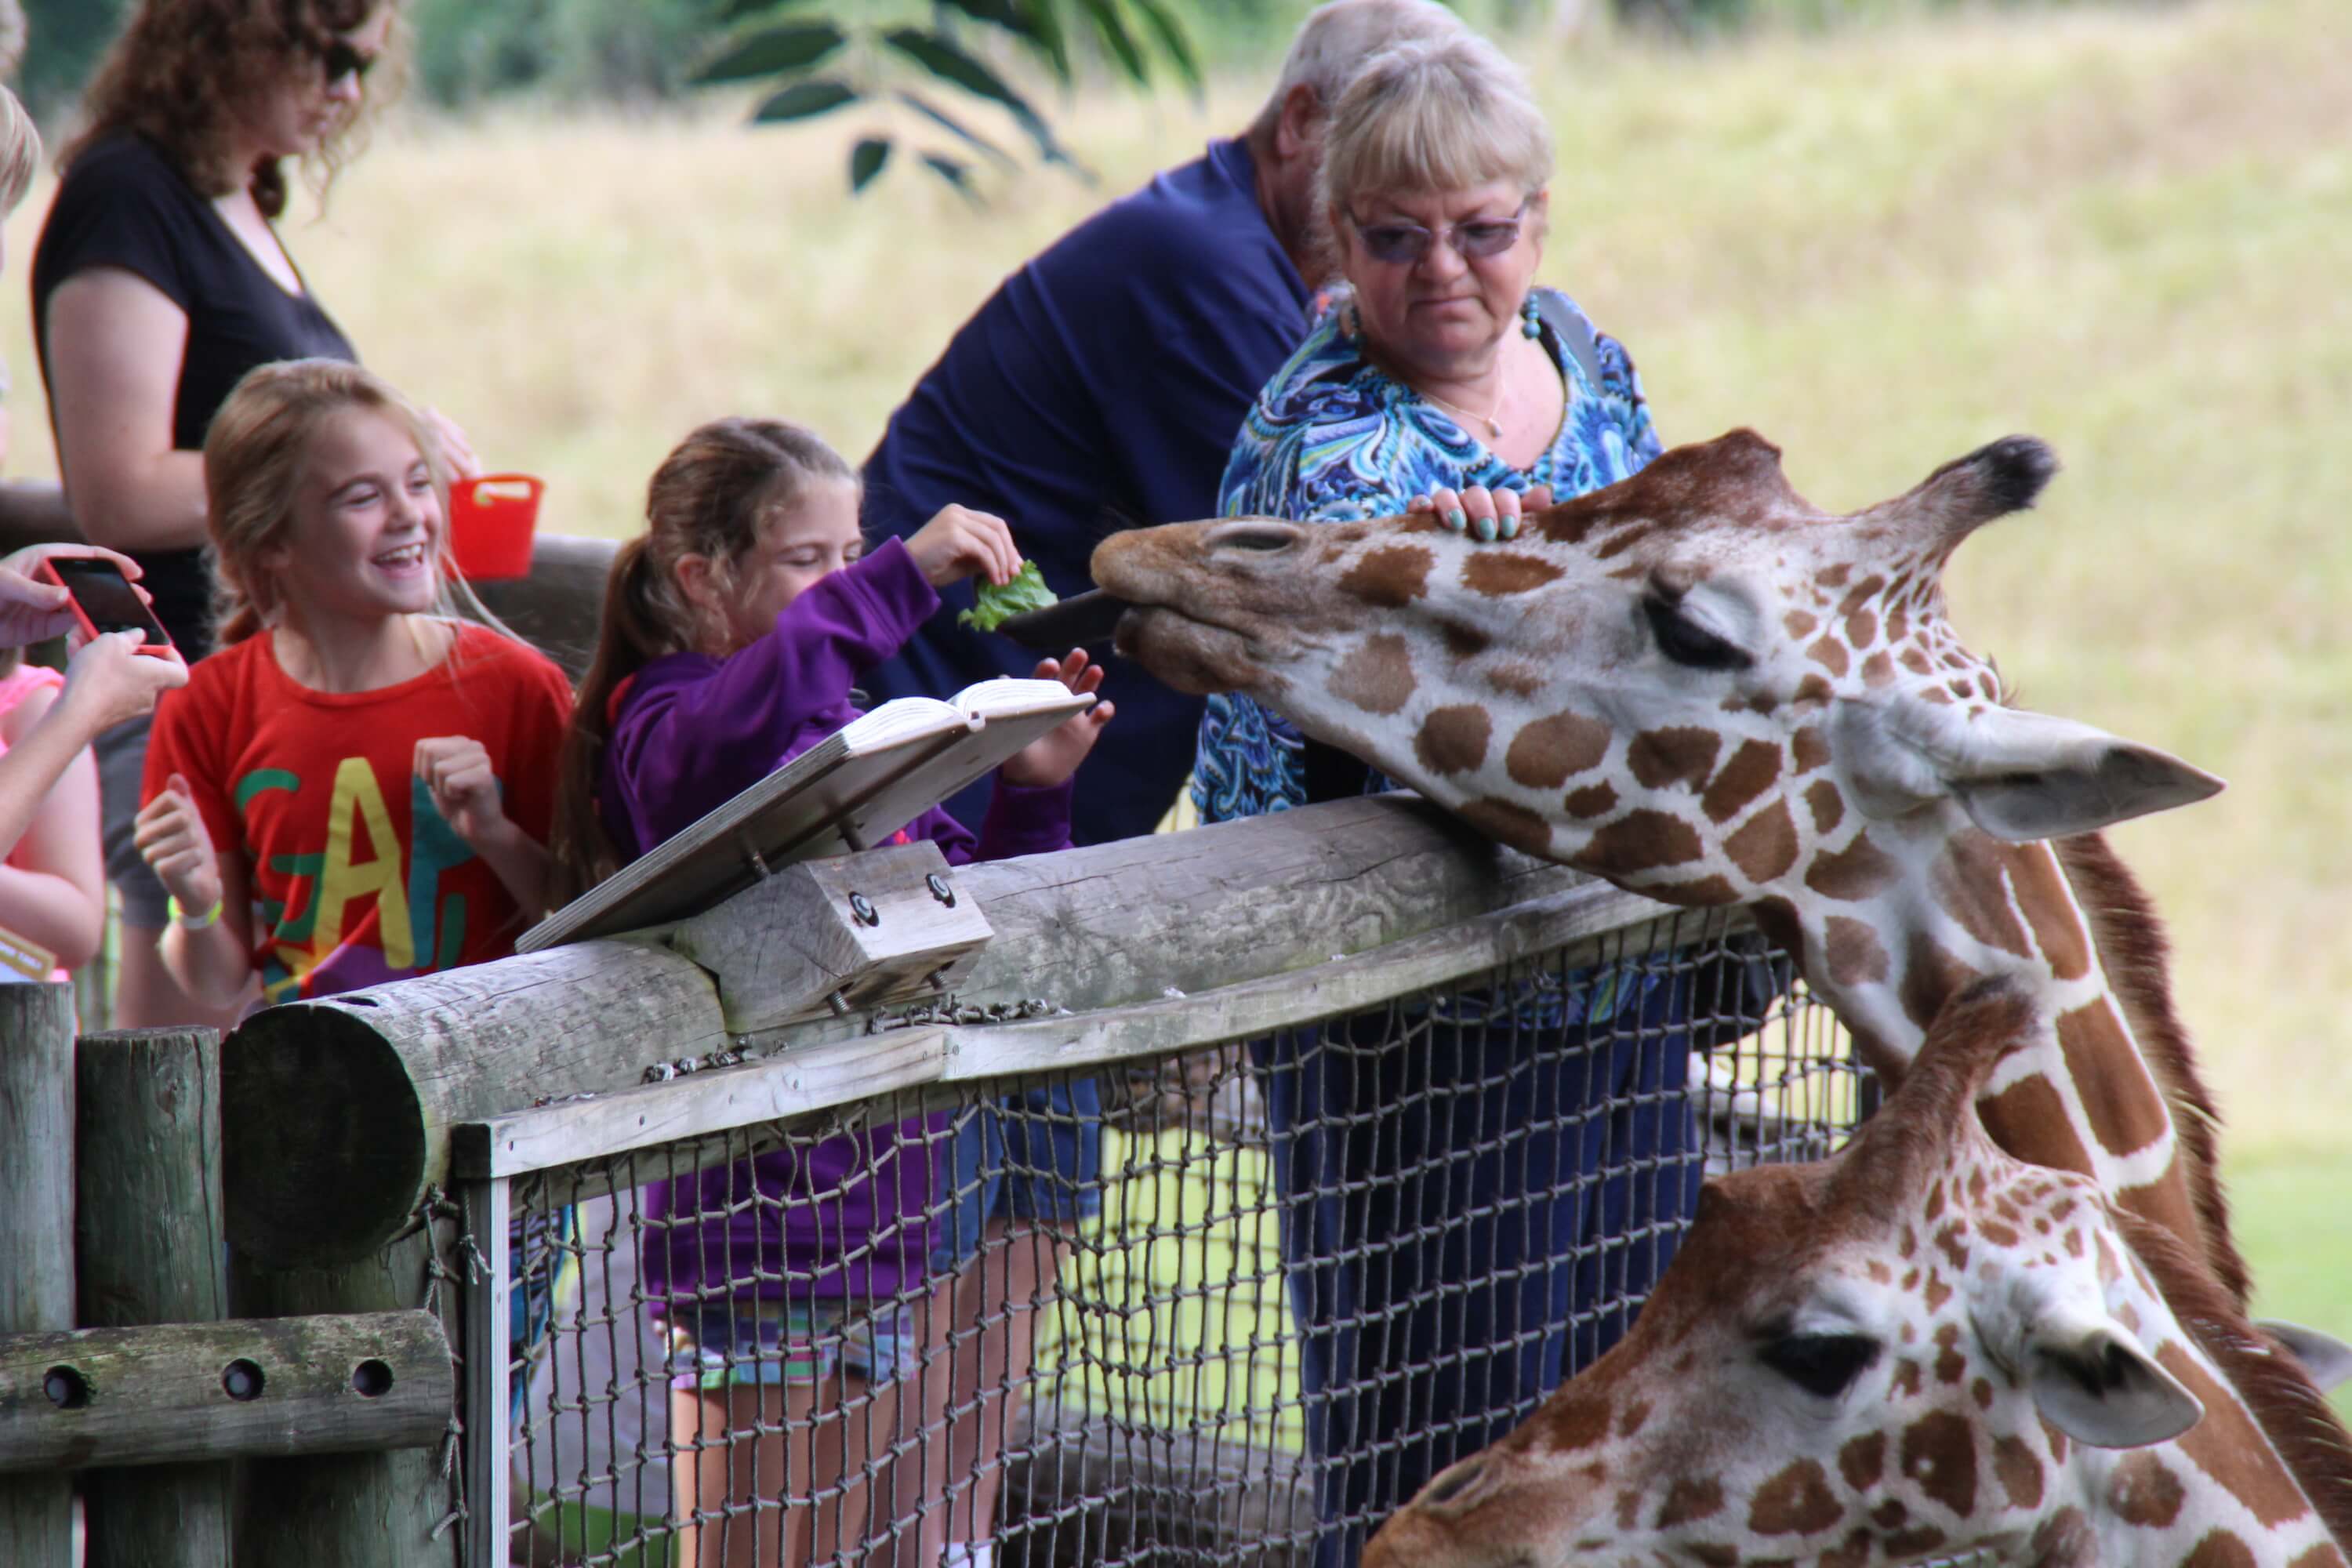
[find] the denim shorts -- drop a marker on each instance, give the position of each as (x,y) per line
(543,1264)
(767,1343)
(1036,1156)
(121,754)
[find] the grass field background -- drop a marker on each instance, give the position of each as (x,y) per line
(2128,231)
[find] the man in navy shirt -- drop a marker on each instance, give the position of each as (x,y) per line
(1102,385)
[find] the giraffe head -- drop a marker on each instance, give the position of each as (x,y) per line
(1692,682)
(1921,1347)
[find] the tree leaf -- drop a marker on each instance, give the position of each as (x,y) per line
(948,122)
(772,51)
(955,172)
(866,161)
(1051,44)
(947,63)
(1112,29)
(804,99)
(1172,40)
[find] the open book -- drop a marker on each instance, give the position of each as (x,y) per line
(850,791)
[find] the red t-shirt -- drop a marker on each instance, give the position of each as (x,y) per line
(356,878)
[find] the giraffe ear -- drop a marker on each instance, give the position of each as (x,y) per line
(2022,776)
(2094,1383)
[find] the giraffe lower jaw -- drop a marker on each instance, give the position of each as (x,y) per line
(1074,621)
(1194,657)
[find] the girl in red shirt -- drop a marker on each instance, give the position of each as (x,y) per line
(343,794)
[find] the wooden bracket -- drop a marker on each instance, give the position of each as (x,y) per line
(845,934)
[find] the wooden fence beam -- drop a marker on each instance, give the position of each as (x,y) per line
(37,1260)
(150,1249)
(335,1114)
(166,1393)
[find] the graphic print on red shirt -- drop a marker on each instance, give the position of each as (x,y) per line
(356,878)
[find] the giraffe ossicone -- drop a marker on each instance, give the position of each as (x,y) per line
(1920,1348)
(1698,685)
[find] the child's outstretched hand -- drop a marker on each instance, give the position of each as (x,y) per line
(1055,755)
(172,839)
(456,769)
(108,679)
(960,542)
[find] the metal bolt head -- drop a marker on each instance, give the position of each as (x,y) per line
(863,908)
(939,888)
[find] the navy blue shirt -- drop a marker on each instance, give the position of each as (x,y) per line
(1101,385)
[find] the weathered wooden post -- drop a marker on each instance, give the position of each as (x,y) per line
(36,1267)
(151,1250)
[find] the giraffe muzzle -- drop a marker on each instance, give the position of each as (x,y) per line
(1082,620)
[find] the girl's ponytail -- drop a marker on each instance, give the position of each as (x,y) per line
(641,619)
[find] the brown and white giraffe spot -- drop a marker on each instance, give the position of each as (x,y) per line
(1852,953)
(1629,1512)
(2057,1441)
(1860,595)
(1916,1542)
(2128,1316)
(1635,1415)
(1939,1457)
(1751,771)
(1776,919)
(1930,976)
(2144,1491)
(1766,844)
(2323,1555)
(1827,804)
(2018,1468)
(1878,669)
(1378,676)
(1854,1552)
(2043,892)
(1640,841)
(1453,740)
(1800,626)
(2238,1459)
(1898,623)
(1862,628)
(1830,654)
(1916,661)
(1936,1293)
(1689,1500)
(1890,1514)
(1950,1364)
(1680,755)
(1622,540)
(1511,679)
(1592,800)
(1981,1392)
(2000,1234)
(2124,1111)
(1545,753)
(1507,821)
(2029,1114)
(1797,1502)
(2064,1540)
(1712,1553)
(1907,1379)
(1462,639)
(1576,1423)
(1709,892)
(1863,1460)
(1853,873)
(1809,748)
(2217,1548)
(1390,577)
(1497,574)
(1881,1274)
(1833,576)
(1969,883)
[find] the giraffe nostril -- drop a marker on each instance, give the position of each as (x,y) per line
(1455,1486)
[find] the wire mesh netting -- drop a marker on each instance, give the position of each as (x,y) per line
(1225,1307)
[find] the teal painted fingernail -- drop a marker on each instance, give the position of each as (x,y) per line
(1486,531)
(1456,521)
(1510,526)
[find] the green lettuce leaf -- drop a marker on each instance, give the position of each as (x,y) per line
(1027,591)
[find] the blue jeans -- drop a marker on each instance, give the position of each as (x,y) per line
(1035,1154)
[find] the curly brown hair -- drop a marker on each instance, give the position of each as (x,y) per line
(180,70)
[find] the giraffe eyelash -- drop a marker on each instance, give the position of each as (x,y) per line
(1687,643)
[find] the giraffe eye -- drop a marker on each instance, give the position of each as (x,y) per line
(1687,643)
(1823,1365)
(1259,535)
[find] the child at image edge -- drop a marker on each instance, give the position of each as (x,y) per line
(733,629)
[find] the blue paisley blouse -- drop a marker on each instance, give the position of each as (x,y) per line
(1333,438)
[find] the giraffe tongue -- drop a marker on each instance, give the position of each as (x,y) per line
(1074,622)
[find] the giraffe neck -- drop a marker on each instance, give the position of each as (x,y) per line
(1951,907)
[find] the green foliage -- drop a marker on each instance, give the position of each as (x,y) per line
(570,50)
(64,39)
(993,606)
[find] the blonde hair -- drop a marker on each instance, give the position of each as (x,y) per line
(1332,45)
(254,454)
(20,151)
(711,497)
(1435,114)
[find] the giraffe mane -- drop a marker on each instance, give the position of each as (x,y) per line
(2138,957)
(2293,1413)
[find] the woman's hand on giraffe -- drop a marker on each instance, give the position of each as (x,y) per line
(172,839)
(1484,514)
(1055,755)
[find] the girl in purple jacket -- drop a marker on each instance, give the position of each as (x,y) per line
(734,628)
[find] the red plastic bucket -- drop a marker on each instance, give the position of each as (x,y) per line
(491,518)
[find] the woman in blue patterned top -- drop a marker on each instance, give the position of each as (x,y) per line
(1476,1193)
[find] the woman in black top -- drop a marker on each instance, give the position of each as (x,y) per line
(159,281)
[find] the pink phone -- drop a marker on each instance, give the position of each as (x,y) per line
(103,599)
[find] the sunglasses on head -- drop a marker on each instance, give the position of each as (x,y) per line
(340,60)
(1398,243)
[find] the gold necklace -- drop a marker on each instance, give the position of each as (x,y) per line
(1493,422)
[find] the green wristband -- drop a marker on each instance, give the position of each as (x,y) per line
(179,916)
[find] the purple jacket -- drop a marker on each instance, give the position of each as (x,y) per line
(849,1215)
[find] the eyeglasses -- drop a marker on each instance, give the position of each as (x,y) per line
(342,61)
(1401,243)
